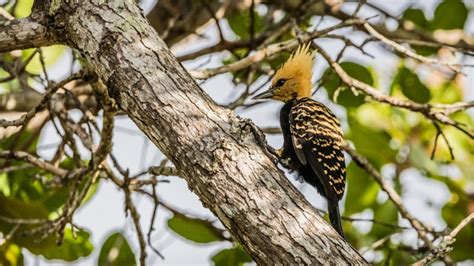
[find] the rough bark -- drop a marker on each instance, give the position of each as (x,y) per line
(176,19)
(24,33)
(213,149)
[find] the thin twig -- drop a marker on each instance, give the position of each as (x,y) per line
(28,158)
(453,66)
(268,52)
(446,244)
(136,221)
(156,203)
(439,132)
(392,194)
(432,112)
(26,117)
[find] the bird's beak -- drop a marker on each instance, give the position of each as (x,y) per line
(264,95)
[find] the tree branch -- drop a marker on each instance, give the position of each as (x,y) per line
(400,48)
(405,32)
(212,148)
(24,33)
(421,228)
(26,157)
(435,112)
(269,51)
(445,246)
(42,103)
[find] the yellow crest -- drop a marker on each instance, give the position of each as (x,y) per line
(300,67)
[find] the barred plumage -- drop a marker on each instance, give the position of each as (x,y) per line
(312,141)
(312,134)
(317,139)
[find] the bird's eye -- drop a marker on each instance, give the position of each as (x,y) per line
(280,82)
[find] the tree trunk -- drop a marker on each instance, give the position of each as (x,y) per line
(214,150)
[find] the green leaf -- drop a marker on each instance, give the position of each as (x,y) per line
(416,16)
(231,256)
(453,213)
(23,8)
(370,142)
(23,140)
(10,255)
(421,159)
(239,22)
(5,187)
(196,230)
(116,251)
(386,213)
(449,92)
(411,86)
(358,197)
(17,208)
(450,14)
(23,185)
(55,198)
(345,96)
(424,50)
(74,246)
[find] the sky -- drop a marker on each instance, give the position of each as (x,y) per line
(104,213)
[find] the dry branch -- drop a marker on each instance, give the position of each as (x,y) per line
(24,33)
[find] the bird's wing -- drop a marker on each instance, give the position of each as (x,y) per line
(317,141)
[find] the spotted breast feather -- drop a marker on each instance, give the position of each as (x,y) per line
(317,141)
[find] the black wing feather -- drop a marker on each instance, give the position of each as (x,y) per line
(317,141)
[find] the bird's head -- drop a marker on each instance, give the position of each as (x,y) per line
(293,79)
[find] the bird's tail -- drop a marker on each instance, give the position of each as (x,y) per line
(335,217)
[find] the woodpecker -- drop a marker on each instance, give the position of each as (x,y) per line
(312,133)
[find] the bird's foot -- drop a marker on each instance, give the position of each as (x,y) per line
(287,163)
(262,141)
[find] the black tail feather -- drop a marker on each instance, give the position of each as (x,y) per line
(335,217)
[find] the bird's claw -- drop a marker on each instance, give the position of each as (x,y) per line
(262,141)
